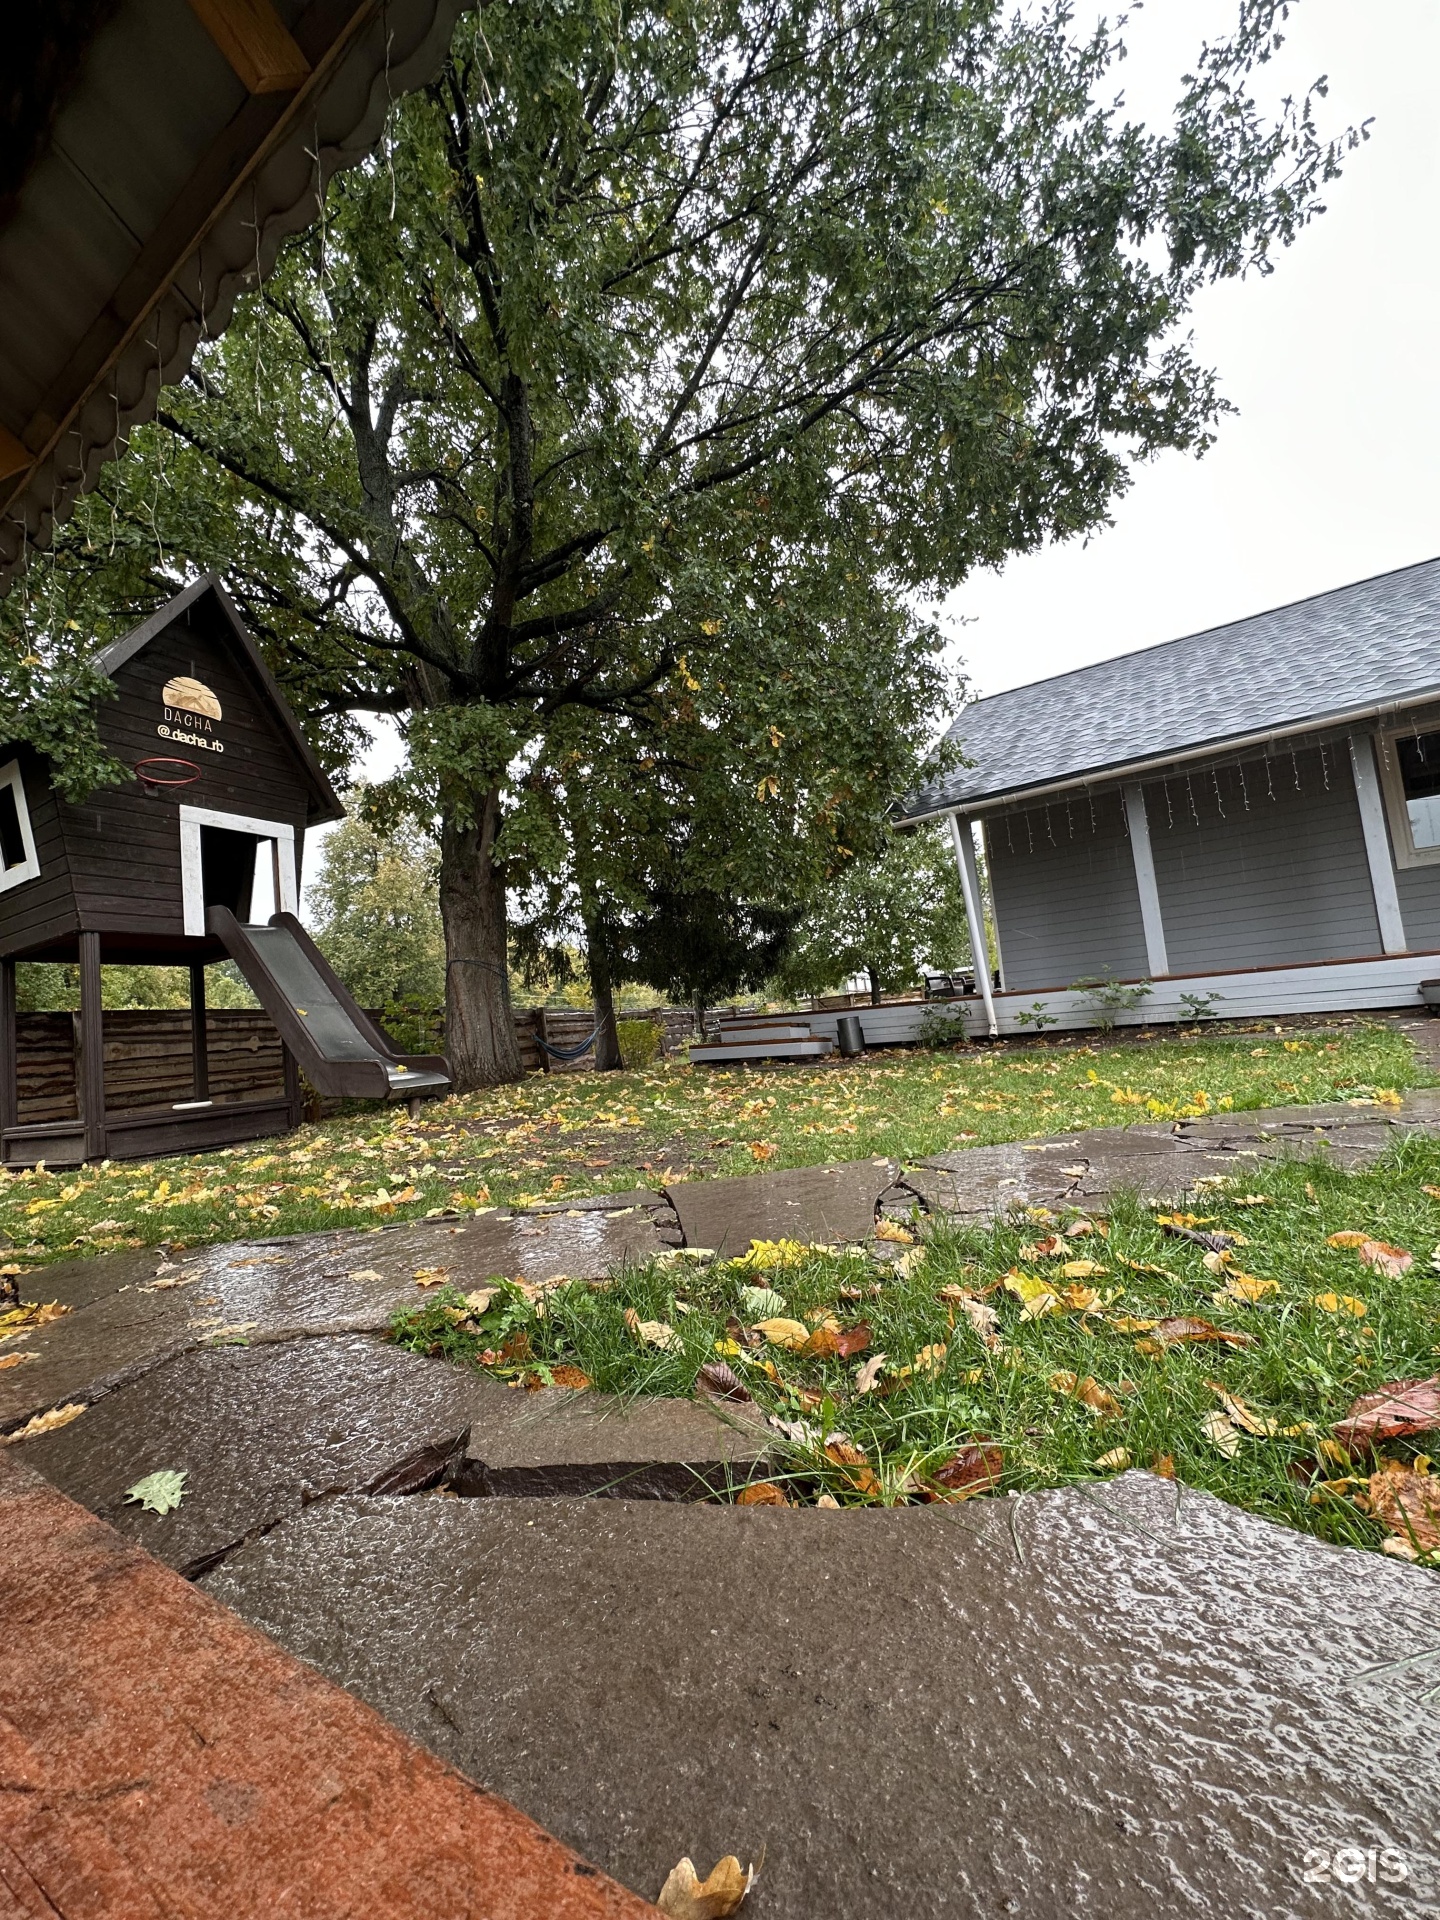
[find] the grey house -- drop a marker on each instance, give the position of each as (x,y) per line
(1252,812)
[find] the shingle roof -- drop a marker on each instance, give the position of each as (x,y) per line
(1371,645)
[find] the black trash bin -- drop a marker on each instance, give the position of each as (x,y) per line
(848,1035)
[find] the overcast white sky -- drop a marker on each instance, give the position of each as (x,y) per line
(1331,471)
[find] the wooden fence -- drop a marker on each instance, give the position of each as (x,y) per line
(149,1061)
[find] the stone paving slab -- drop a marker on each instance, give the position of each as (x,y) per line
(261,1432)
(282,1289)
(159,1759)
(1158,1160)
(826,1205)
(1125,1701)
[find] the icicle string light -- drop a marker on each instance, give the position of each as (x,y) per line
(1190,789)
(1219,800)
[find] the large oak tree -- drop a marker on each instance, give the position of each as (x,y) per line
(644,304)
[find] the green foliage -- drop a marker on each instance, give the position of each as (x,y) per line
(941,1026)
(891,915)
(376,912)
(639,1042)
(1109,997)
(1036,1016)
(1201,1006)
(53,986)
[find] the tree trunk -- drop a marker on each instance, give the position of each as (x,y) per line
(602,994)
(479,1024)
(874,986)
(700,1017)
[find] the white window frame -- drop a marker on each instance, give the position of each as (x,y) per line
(29,868)
(192,876)
(1392,785)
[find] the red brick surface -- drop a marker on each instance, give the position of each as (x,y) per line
(160,1760)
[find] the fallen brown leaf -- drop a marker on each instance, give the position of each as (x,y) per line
(1408,1503)
(867,1378)
(1399,1407)
(567,1376)
(1383,1258)
(1052,1247)
(1182,1330)
(1164,1465)
(852,1340)
(1241,1414)
(36,1314)
(1087,1390)
(761,1493)
(970,1470)
(717,1380)
(892,1230)
(17,1360)
(685,1896)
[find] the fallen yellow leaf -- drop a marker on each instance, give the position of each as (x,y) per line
(685,1896)
(1341,1303)
(45,1423)
(1088,1391)
(1245,1287)
(1115,1461)
(1219,1431)
(791,1334)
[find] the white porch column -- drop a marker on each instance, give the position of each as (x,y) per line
(1377,843)
(974,912)
(1157,961)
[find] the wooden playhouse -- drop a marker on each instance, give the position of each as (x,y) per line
(174,868)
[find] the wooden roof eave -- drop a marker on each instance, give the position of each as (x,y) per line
(258,182)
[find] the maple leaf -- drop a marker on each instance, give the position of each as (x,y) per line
(159,1492)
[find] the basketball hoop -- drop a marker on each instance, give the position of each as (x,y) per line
(159,773)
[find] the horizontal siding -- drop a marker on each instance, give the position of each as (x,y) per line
(1419,890)
(1262,863)
(1066,902)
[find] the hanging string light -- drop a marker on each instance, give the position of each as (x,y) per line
(1190,789)
(1269,783)
(1244,789)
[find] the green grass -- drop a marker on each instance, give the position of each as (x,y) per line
(563,1135)
(1303,1365)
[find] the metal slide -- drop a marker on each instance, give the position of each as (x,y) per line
(341,1051)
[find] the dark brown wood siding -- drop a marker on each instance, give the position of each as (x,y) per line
(43,908)
(122,845)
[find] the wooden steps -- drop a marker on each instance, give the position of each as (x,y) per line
(747,1037)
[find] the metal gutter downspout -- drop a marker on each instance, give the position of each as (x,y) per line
(974,914)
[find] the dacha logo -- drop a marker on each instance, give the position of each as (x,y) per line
(191,710)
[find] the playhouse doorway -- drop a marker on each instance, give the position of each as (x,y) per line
(231,860)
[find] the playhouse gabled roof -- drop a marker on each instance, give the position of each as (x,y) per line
(1357,651)
(207,597)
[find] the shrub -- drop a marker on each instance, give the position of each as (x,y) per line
(639,1041)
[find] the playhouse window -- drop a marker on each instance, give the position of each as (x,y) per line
(1410,768)
(18,861)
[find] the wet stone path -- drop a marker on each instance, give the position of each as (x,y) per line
(1126,1699)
